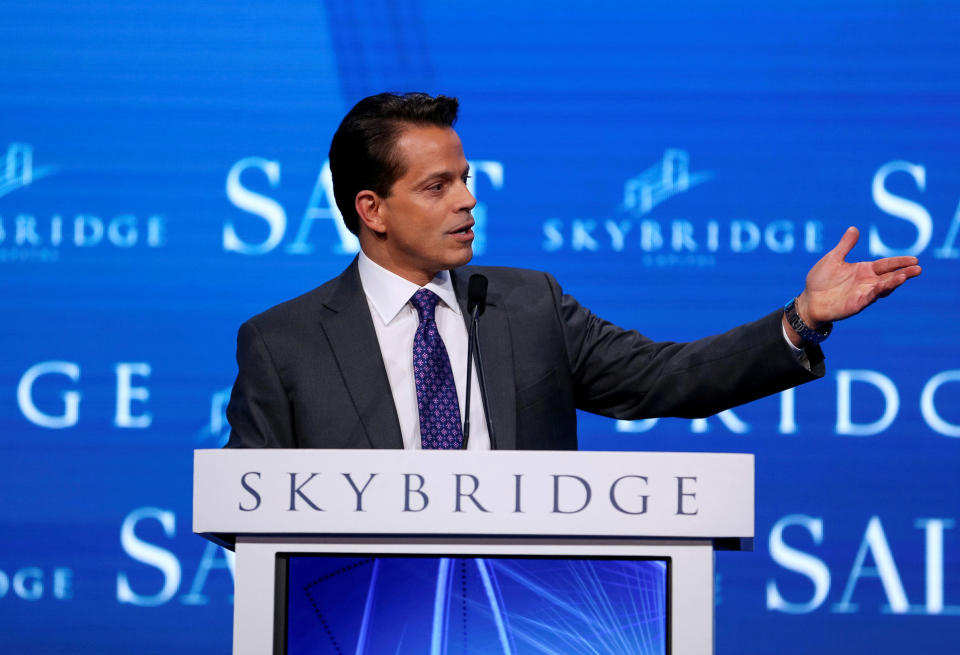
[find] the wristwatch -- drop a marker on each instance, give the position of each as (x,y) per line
(806,333)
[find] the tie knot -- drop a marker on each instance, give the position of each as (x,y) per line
(426,302)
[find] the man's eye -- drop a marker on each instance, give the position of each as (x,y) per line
(436,187)
(465,178)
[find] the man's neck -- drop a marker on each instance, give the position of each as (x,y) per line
(419,277)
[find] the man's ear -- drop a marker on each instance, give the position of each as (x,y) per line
(369,206)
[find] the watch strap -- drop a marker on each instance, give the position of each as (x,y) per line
(806,332)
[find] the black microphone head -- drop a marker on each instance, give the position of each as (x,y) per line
(477,293)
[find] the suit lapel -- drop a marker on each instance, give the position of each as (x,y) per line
(347,323)
(496,351)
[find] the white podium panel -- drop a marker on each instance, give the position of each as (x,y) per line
(691,495)
(271,505)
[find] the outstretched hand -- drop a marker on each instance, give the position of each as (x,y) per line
(837,289)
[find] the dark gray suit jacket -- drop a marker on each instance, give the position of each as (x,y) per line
(311,374)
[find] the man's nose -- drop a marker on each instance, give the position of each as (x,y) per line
(468,200)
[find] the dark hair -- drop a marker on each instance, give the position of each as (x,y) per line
(362,153)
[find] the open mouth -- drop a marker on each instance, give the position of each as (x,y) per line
(463,230)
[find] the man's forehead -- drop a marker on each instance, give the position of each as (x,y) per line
(426,148)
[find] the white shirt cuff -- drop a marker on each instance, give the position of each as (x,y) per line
(799,353)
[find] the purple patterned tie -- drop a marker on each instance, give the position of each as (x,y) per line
(436,391)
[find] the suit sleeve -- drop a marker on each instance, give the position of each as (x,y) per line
(259,412)
(623,374)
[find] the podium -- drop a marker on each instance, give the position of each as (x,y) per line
(504,536)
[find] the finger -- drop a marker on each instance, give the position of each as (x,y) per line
(891,281)
(907,273)
(847,242)
(891,285)
(882,266)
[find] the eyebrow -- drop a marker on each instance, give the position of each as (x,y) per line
(442,175)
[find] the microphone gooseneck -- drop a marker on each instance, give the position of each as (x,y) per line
(476,304)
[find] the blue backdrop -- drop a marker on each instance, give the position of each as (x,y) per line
(678,167)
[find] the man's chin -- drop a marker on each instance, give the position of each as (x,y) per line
(463,258)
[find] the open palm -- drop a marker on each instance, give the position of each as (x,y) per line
(837,289)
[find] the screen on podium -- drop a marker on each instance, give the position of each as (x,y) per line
(402,604)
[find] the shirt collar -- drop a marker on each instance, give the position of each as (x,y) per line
(388,292)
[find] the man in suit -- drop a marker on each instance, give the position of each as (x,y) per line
(377,357)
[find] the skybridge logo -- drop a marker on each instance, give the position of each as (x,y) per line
(675,242)
(19,170)
(26,236)
(670,177)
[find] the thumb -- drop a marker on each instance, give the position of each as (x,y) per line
(847,242)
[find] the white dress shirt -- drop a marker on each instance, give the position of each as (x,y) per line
(395,321)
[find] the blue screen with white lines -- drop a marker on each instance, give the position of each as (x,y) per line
(420,605)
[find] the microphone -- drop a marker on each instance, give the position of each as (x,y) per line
(477,294)
(476,304)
